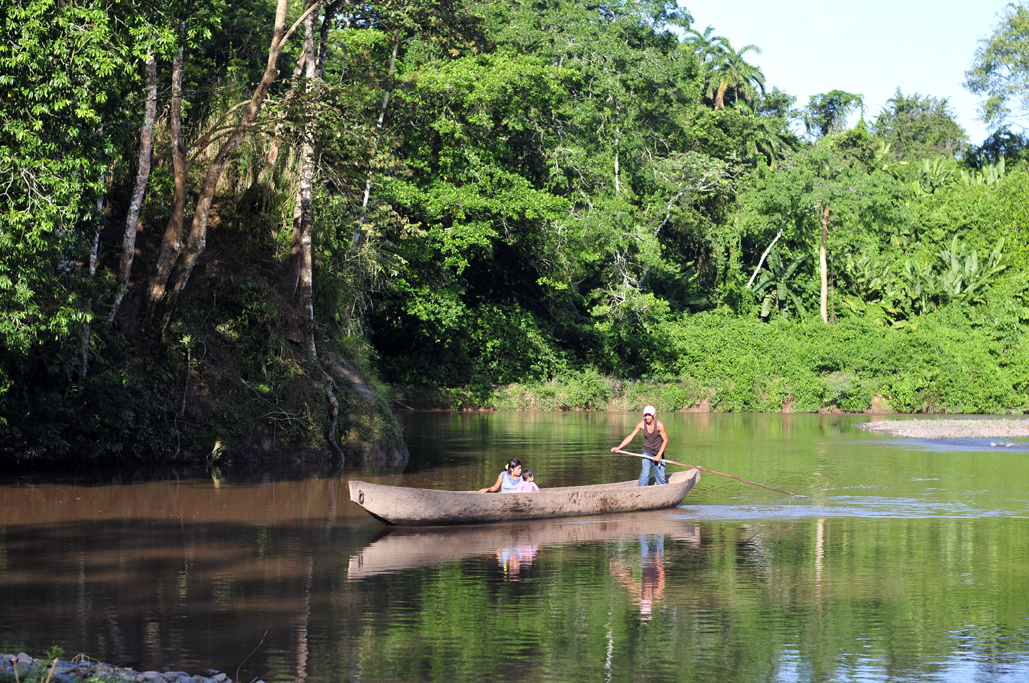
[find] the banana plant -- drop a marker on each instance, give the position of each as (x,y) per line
(963,274)
(991,174)
(919,288)
(932,176)
(776,282)
(870,276)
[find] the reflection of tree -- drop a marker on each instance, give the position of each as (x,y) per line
(300,651)
(819,561)
(651,586)
(511,559)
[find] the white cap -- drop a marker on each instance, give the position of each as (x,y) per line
(650,410)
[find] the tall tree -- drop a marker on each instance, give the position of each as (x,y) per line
(917,127)
(128,253)
(303,261)
(1000,68)
(827,113)
(1003,143)
(63,73)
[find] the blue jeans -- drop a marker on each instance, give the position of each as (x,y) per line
(658,467)
(652,549)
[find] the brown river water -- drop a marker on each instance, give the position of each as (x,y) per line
(897,559)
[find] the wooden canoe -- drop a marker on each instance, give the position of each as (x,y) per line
(413,547)
(401,506)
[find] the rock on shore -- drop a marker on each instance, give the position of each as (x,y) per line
(951,428)
(82,668)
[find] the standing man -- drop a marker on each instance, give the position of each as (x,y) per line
(655,439)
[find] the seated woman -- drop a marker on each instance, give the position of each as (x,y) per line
(509,481)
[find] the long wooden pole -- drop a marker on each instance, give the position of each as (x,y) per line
(704,469)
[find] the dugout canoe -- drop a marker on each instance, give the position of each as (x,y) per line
(401,506)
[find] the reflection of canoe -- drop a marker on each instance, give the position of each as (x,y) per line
(412,548)
(428,507)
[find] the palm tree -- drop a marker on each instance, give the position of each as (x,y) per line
(724,69)
(764,135)
(709,51)
(743,78)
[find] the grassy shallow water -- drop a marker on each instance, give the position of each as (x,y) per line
(896,560)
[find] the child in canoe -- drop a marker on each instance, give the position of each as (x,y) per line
(528,483)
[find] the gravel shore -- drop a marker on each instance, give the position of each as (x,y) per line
(84,669)
(953,428)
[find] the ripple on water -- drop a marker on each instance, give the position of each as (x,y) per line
(872,507)
(944,445)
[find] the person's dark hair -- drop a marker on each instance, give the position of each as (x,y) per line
(511,464)
(527,474)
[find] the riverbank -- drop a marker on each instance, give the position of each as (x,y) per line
(591,391)
(950,428)
(82,668)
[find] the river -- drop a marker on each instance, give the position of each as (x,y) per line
(896,560)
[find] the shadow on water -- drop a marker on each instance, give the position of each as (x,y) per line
(245,473)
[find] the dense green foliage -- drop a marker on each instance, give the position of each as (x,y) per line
(502,193)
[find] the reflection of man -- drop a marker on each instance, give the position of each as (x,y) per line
(655,439)
(651,586)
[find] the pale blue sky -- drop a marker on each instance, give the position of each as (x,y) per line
(868,47)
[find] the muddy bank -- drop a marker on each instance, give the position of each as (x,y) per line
(983,428)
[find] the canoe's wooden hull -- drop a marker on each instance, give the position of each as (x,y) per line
(401,506)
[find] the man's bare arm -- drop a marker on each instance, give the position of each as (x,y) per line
(625,442)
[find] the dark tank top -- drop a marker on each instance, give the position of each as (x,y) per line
(652,440)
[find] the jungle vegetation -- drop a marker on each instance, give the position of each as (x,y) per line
(235,228)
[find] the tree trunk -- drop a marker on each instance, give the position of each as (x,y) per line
(86,331)
(301,79)
(128,250)
(273,150)
(618,189)
(94,248)
(618,146)
(323,45)
(378,128)
(305,203)
(171,244)
(823,265)
(304,214)
(196,242)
